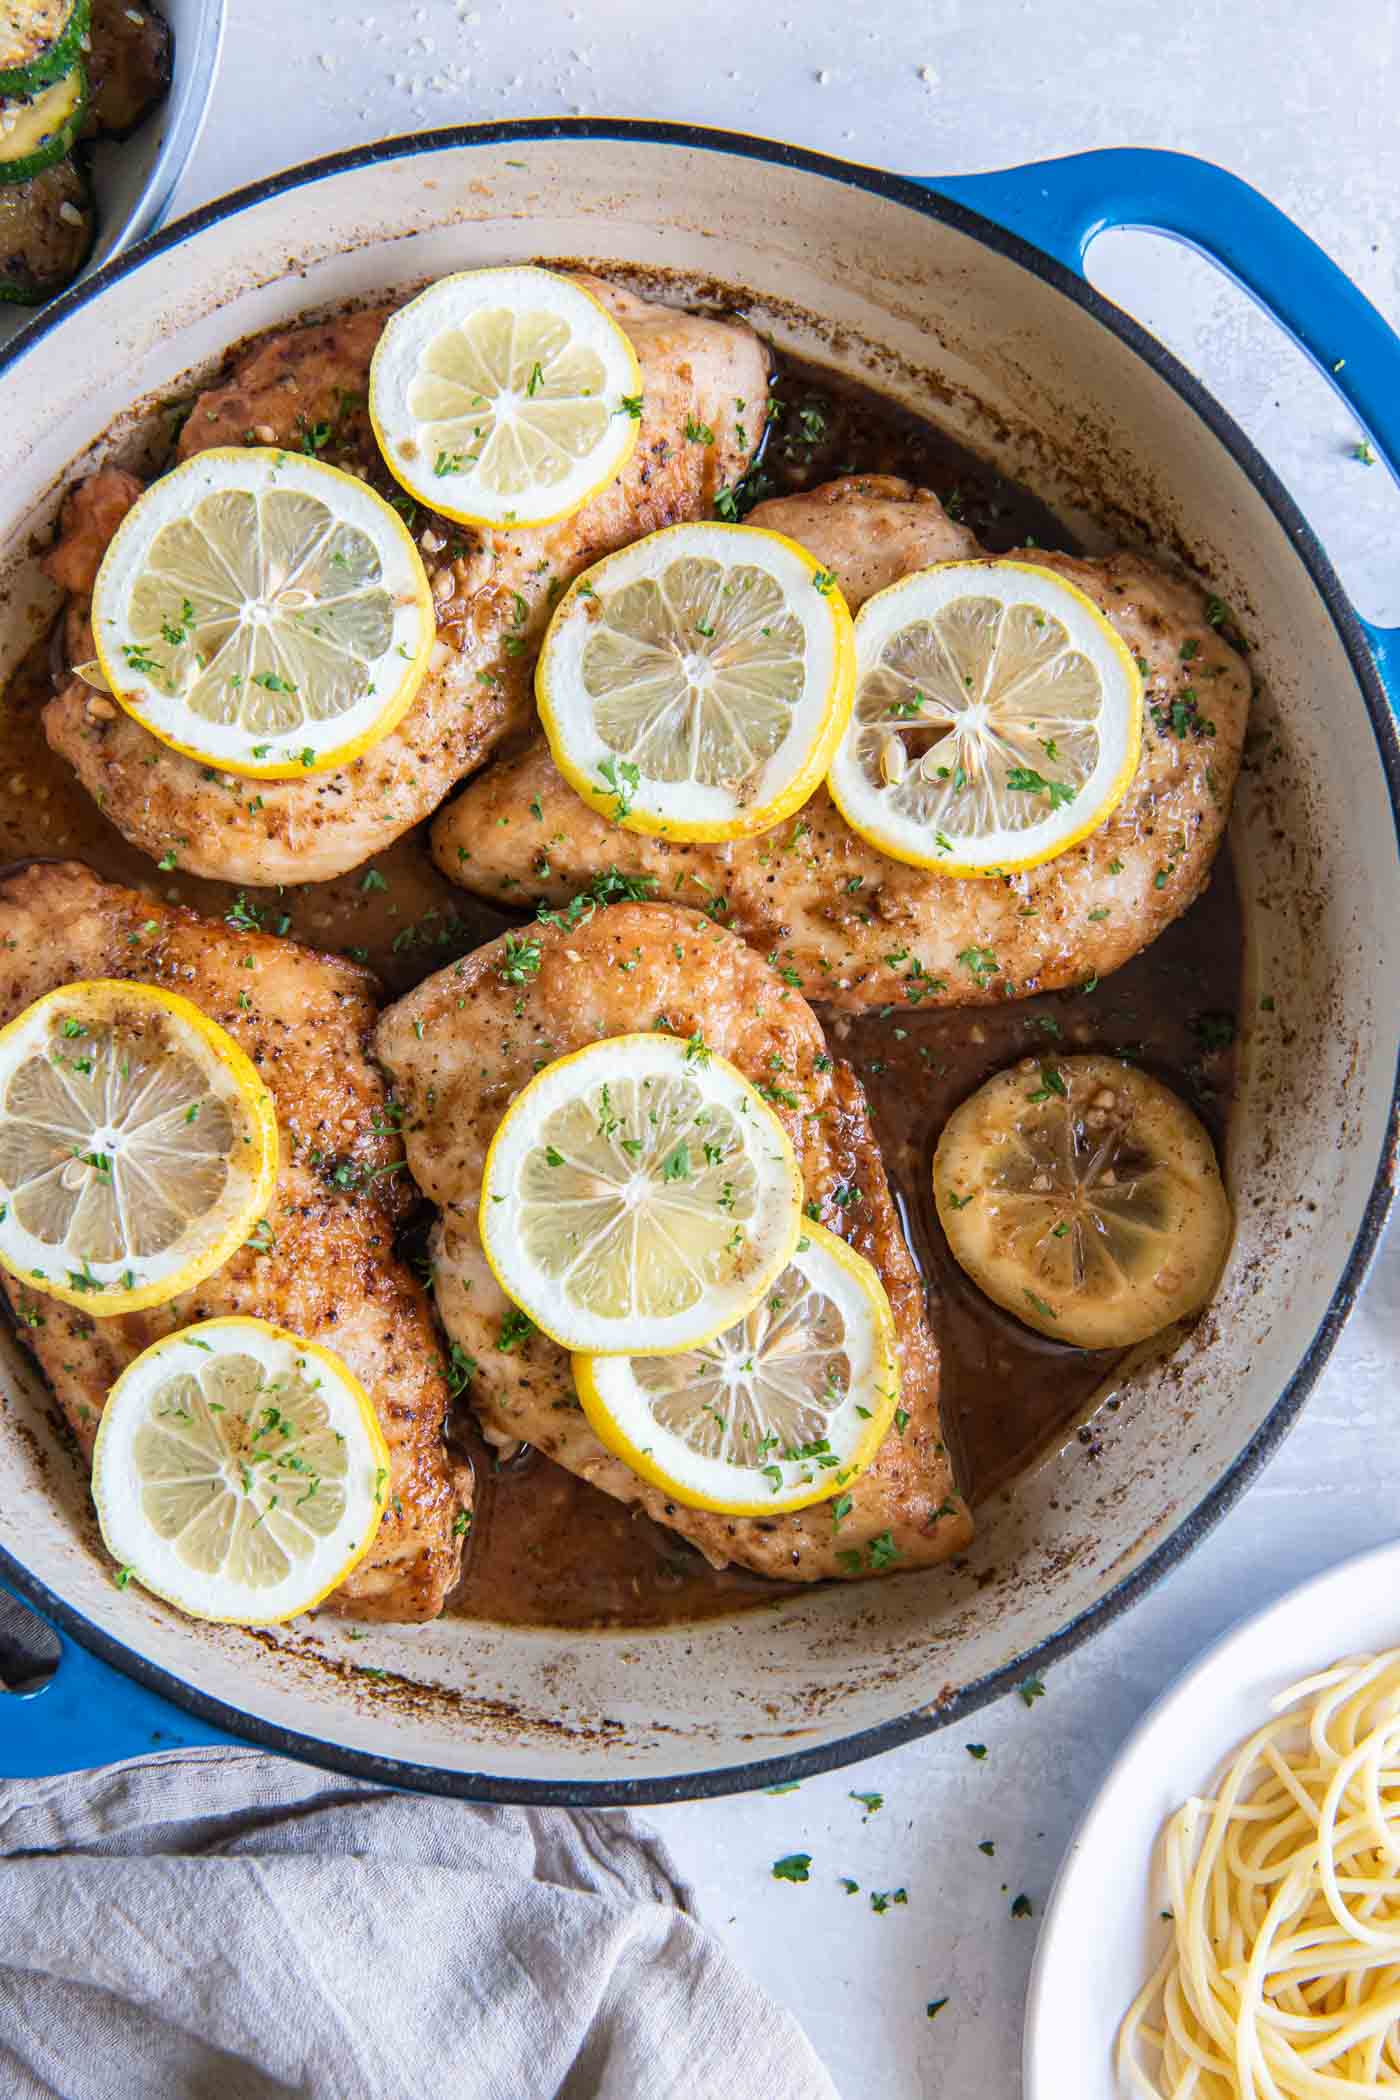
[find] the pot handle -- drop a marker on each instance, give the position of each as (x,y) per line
(86,1714)
(1061,206)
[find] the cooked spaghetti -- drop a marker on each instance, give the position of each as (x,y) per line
(1282,1978)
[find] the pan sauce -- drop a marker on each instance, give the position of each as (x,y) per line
(546,1549)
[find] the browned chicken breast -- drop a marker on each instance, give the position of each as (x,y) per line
(494,592)
(461,1045)
(326,1268)
(858,929)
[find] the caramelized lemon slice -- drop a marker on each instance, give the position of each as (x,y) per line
(505,397)
(239,1472)
(264,613)
(997,719)
(639,1195)
(783,1409)
(695,684)
(138,1146)
(1083,1196)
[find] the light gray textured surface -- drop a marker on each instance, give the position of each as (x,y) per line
(1300,102)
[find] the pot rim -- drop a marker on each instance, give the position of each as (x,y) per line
(886,1735)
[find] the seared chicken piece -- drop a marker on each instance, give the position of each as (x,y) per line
(462,1044)
(330,1273)
(858,929)
(494,590)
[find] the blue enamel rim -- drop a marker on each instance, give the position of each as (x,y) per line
(226,1722)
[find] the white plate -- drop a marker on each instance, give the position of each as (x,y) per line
(1103,1932)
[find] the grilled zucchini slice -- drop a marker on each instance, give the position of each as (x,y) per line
(37,130)
(47,227)
(39,41)
(128,65)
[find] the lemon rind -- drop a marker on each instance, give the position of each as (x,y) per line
(816,761)
(896,848)
(337,757)
(765,1275)
(379,1454)
(507,520)
(885,1381)
(988,1278)
(252,1090)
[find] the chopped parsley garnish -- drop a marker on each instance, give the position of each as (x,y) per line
(980,963)
(176,632)
(242,916)
(622,779)
(1027,781)
(460,1369)
(516,1327)
(611,887)
(521,960)
(1051,1082)
(795,1866)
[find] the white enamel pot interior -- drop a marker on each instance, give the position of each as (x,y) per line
(1021,362)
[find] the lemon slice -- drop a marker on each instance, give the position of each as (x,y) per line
(263,612)
(1084,1197)
(505,397)
(639,1195)
(783,1409)
(997,719)
(138,1146)
(239,1472)
(697,683)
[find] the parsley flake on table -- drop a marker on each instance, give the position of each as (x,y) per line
(794,1866)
